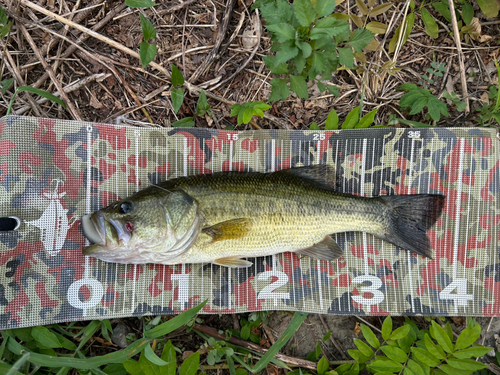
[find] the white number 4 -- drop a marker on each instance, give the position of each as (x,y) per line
(460,297)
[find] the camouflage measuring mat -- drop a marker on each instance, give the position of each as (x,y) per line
(53,171)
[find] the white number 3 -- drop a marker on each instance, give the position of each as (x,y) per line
(376,284)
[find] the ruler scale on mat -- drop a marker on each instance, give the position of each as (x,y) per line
(53,171)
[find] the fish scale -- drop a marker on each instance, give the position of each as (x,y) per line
(245,215)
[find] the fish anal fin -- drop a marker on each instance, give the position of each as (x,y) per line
(229,230)
(327,249)
(233,262)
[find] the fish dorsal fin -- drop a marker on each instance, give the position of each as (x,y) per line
(327,249)
(321,174)
(229,230)
(233,262)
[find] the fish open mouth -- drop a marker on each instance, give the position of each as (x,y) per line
(93,228)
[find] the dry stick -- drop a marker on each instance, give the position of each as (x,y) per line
(242,66)
(71,49)
(456,36)
(73,111)
(218,41)
(256,348)
(68,89)
(11,65)
(64,33)
(331,338)
(102,38)
(494,368)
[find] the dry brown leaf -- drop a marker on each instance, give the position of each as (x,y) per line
(186,354)
(474,30)
(484,98)
(357,20)
(380,9)
(357,329)
(362,7)
(94,102)
(458,320)
(377,27)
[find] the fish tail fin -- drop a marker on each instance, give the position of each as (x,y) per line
(410,218)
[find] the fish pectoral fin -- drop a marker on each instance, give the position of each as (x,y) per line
(327,249)
(228,230)
(233,262)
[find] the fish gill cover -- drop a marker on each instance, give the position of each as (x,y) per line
(54,171)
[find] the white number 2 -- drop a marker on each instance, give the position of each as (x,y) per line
(268,292)
(376,284)
(460,297)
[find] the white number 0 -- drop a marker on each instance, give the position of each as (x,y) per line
(376,283)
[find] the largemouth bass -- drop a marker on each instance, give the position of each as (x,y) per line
(225,217)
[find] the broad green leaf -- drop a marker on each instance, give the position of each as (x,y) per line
(177,96)
(23,334)
(425,357)
(147,53)
(65,343)
(299,86)
(169,356)
(148,30)
(379,9)
(202,104)
(333,90)
(3,17)
(437,108)
(474,351)
(377,27)
(447,326)
(394,353)
(314,126)
(328,26)
(190,365)
(467,13)
(488,7)
(432,348)
(443,8)
(360,39)
(305,48)
(319,62)
(152,357)
(408,87)
(363,348)
(279,90)
(332,121)
(414,124)
(407,371)
(323,366)
(418,105)
(304,12)
(350,122)
(468,337)
(286,53)
(415,367)
(367,332)
(324,7)
(358,356)
(270,62)
(346,57)
(367,119)
(283,31)
(186,122)
(45,337)
(431,26)
(387,328)
(147,367)
(408,26)
(447,369)
(177,77)
(466,364)
(139,3)
(247,115)
(6,85)
(290,330)
(300,62)
(384,364)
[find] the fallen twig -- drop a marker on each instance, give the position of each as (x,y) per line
(256,348)
(218,41)
(456,36)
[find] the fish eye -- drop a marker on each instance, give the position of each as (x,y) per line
(125,207)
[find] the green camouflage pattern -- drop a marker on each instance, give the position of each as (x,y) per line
(54,171)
